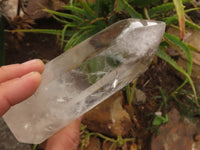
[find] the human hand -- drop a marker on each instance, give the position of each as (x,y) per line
(20,81)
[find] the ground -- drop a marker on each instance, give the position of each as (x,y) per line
(46,47)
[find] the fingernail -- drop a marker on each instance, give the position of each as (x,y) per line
(29,62)
(29,74)
(33,61)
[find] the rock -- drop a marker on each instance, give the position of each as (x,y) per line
(192,36)
(176,134)
(34,9)
(8,141)
(109,117)
(140,97)
(9,8)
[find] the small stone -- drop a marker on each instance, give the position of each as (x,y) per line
(34,10)
(140,97)
(109,117)
(158,113)
(197,138)
(8,141)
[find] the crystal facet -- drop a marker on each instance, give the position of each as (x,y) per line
(79,79)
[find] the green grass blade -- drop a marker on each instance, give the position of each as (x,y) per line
(192,25)
(175,42)
(75,10)
(120,6)
(160,9)
(63,35)
(98,7)
(90,14)
(174,18)
(181,16)
(161,54)
(35,146)
(44,31)
(133,13)
(70,42)
(170,20)
(88,27)
(128,93)
(60,20)
(192,48)
(80,38)
(64,15)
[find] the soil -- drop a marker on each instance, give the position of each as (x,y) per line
(46,47)
(42,46)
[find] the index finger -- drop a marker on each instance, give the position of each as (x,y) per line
(18,70)
(16,90)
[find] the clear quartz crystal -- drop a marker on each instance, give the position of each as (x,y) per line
(79,79)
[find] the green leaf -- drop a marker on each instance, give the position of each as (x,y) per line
(123,4)
(176,43)
(158,120)
(160,9)
(170,20)
(160,53)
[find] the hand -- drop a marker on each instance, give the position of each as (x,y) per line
(20,81)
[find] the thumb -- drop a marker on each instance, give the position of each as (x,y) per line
(67,138)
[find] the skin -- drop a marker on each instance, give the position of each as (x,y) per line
(20,81)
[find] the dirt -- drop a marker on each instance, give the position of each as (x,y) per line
(33,45)
(46,47)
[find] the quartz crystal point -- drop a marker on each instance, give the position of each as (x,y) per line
(79,79)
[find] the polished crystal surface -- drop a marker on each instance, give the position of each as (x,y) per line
(79,79)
